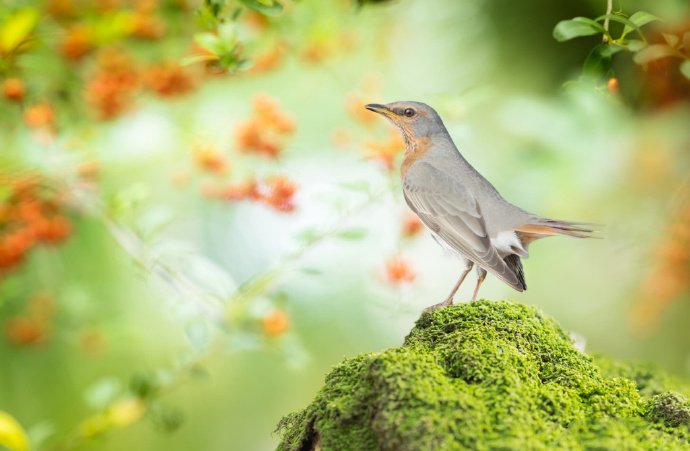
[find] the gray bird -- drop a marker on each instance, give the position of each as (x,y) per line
(462,210)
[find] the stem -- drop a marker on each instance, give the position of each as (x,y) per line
(609,8)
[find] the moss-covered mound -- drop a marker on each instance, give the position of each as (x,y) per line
(490,375)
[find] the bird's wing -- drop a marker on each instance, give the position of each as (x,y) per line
(453,213)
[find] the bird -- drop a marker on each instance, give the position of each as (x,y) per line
(463,211)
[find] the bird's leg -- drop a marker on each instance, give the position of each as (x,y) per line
(449,299)
(480,278)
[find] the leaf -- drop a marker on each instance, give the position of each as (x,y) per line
(685,69)
(308,235)
(635,45)
(608,50)
(598,61)
(579,26)
(193,59)
(227,34)
(265,7)
(12,435)
(209,41)
(653,52)
(17,28)
(620,19)
(671,39)
(352,234)
(311,271)
(103,392)
(639,19)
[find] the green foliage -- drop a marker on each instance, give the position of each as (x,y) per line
(268,7)
(598,62)
(487,375)
(16,29)
(579,26)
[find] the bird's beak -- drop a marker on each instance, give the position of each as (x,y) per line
(377,108)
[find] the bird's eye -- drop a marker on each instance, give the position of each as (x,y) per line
(409,112)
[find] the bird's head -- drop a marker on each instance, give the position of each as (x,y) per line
(414,119)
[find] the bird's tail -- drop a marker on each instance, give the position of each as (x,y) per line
(547,227)
(515,264)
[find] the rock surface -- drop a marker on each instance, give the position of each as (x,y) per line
(490,375)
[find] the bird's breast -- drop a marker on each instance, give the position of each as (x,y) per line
(416,149)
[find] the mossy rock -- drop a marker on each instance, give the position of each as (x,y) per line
(490,375)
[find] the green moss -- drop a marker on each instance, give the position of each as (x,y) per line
(489,375)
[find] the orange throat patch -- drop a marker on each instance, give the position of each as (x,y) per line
(416,148)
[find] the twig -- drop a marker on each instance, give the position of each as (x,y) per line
(609,8)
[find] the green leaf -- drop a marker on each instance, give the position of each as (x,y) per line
(579,26)
(143,385)
(635,45)
(227,34)
(308,235)
(639,19)
(17,28)
(193,59)
(103,392)
(598,61)
(352,234)
(608,50)
(685,69)
(671,39)
(265,7)
(209,41)
(167,419)
(620,19)
(311,271)
(653,52)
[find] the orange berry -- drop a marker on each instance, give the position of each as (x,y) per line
(40,115)
(211,190)
(411,226)
(76,43)
(24,331)
(268,60)
(210,160)
(147,26)
(89,170)
(399,271)
(53,230)
(168,80)
(280,194)
(275,322)
(613,85)
(14,89)
(387,151)
(248,190)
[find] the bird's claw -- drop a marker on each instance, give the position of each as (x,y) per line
(440,305)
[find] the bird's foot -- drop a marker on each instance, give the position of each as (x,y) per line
(440,305)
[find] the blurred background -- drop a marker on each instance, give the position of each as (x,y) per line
(198,218)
